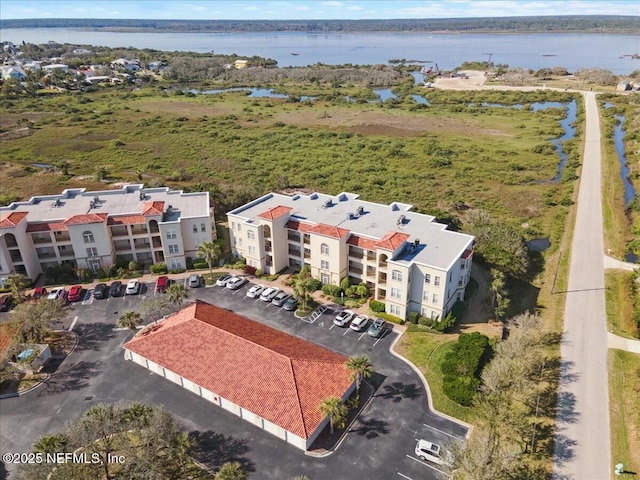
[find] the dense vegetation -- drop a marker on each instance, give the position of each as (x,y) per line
(590,23)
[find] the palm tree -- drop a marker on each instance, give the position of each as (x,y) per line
(182,445)
(302,285)
(176,293)
(360,367)
(210,251)
(138,414)
(333,408)
(18,284)
(231,471)
(130,320)
(51,443)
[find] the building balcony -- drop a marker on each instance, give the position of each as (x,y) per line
(119,232)
(15,256)
(141,245)
(382,278)
(122,246)
(40,238)
(371,272)
(61,237)
(371,257)
(11,241)
(139,230)
(268,246)
(156,242)
(306,238)
(46,255)
(382,294)
(356,252)
(295,252)
(293,237)
(355,268)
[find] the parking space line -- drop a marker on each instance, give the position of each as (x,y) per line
(377,341)
(360,337)
(73,324)
(438,430)
(332,325)
(346,331)
(404,476)
(427,465)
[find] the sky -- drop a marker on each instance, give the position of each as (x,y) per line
(308,9)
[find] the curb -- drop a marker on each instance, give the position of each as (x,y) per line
(426,387)
(24,392)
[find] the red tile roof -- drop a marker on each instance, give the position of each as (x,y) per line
(153,208)
(467,253)
(13,219)
(86,218)
(392,240)
(7,331)
(297,226)
(362,242)
(277,376)
(275,212)
(127,220)
(329,230)
(46,227)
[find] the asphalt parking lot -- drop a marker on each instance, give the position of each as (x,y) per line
(379,444)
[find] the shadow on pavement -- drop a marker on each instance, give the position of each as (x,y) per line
(398,390)
(75,377)
(370,428)
(214,449)
(93,335)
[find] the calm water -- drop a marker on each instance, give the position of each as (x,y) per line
(618,138)
(573,51)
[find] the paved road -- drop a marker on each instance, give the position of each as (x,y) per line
(583,437)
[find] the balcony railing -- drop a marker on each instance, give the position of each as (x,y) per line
(48,254)
(294,237)
(268,246)
(119,231)
(295,252)
(156,242)
(141,245)
(139,230)
(15,256)
(307,253)
(62,237)
(382,278)
(356,252)
(122,246)
(37,239)
(371,256)
(307,238)
(355,268)
(371,272)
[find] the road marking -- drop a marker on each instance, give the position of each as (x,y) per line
(332,325)
(438,430)
(346,331)
(73,324)
(321,324)
(360,337)
(377,341)
(88,298)
(404,476)
(427,465)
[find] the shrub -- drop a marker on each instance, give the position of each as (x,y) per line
(344,284)
(391,318)
(462,367)
(259,272)
(314,285)
(249,270)
(198,264)
(86,276)
(446,323)
(189,261)
(102,274)
(158,268)
(426,321)
(178,270)
(331,290)
(133,265)
(413,317)
(376,306)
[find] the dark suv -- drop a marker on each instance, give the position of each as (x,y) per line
(6,303)
(115,288)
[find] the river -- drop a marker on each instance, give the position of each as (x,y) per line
(544,50)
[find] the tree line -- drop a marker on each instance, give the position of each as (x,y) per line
(562,23)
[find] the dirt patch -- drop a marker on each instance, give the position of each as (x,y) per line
(98,137)
(17,133)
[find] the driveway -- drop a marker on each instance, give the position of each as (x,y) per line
(379,444)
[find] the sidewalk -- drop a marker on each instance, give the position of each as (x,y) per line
(621,343)
(614,263)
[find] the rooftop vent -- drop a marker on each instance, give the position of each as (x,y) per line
(401,220)
(96,199)
(416,242)
(142,195)
(327,203)
(92,204)
(360,210)
(57,203)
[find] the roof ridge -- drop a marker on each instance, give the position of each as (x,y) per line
(300,411)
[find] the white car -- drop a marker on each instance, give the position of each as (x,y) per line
(269,293)
(359,323)
(343,318)
(132,287)
(255,291)
(433,453)
(58,293)
(236,282)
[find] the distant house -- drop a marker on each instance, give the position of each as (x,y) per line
(125,64)
(13,72)
(241,63)
(82,51)
(56,66)
(624,86)
(270,379)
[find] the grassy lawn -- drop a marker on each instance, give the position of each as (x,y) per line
(426,351)
(624,408)
(619,307)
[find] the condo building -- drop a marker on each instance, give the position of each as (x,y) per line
(409,261)
(91,229)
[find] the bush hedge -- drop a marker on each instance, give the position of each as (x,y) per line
(391,318)
(463,365)
(158,268)
(376,306)
(331,290)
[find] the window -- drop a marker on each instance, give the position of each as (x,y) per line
(394,309)
(436,282)
(324,249)
(240,241)
(88,237)
(239,227)
(462,265)
(324,264)
(175,263)
(427,278)
(252,249)
(396,293)
(174,248)
(434,315)
(233,225)
(171,234)
(425,295)
(203,227)
(460,281)
(195,228)
(92,252)
(324,278)
(251,235)
(435,298)
(396,275)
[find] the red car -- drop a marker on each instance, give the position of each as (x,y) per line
(39,293)
(75,293)
(162,284)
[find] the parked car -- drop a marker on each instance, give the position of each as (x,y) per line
(290,304)
(58,293)
(133,287)
(222,281)
(39,292)
(194,281)
(75,293)
(268,294)
(115,289)
(162,283)
(343,318)
(359,323)
(377,328)
(280,298)
(255,291)
(236,282)
(428,451)
(6,302)
(101,291)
